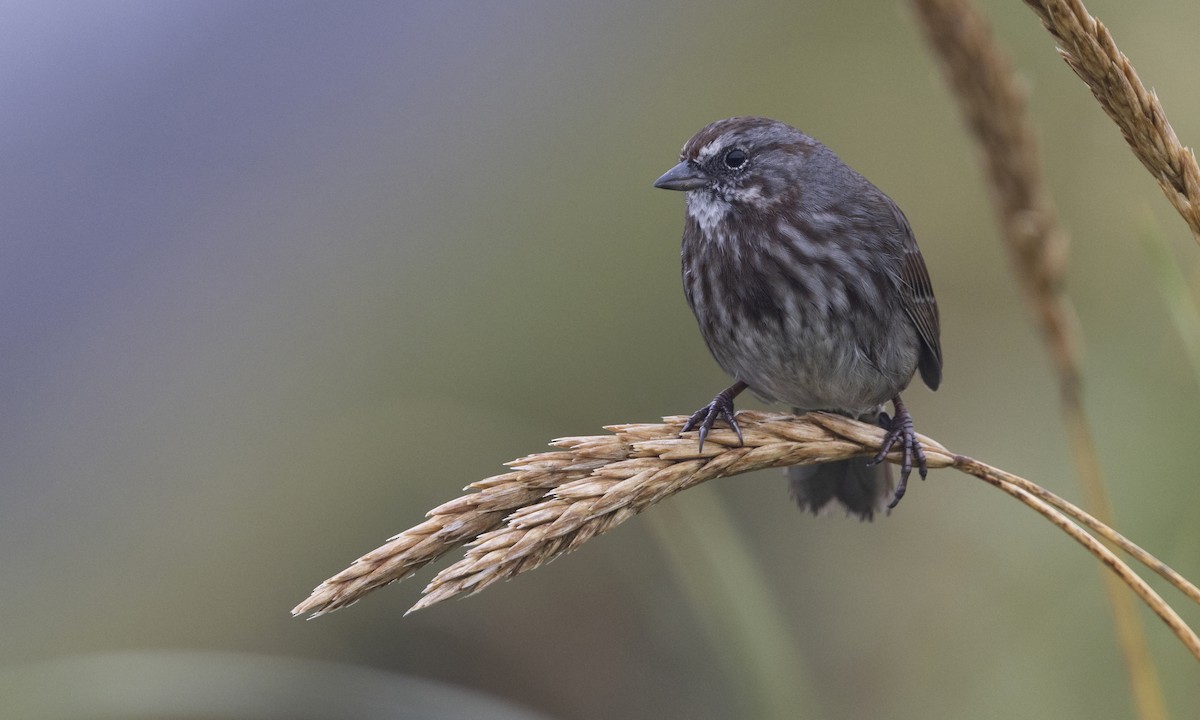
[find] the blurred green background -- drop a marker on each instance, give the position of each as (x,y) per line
(279,277)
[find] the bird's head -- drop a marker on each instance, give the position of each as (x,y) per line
(753,163)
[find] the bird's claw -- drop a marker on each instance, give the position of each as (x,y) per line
(703,419)
(900,429)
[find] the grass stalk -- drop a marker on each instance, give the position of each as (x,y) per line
(594,483)
(992,102)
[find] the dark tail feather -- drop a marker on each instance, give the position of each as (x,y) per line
(860,488)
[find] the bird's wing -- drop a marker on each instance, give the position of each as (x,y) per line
(916,293)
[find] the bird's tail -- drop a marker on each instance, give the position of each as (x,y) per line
(861,489)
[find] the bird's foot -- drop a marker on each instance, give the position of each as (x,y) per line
(720,407)
(900,430)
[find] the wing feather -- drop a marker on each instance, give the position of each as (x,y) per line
(916,295)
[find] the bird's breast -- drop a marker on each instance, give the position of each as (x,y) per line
(797,325)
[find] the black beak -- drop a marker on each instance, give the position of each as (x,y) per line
(682,177)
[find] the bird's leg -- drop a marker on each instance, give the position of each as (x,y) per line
(900,429)
(720,407)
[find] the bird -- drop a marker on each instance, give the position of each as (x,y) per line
(809,290)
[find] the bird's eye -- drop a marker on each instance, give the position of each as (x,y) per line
(735,158)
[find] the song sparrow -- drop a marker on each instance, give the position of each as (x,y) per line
(809,290)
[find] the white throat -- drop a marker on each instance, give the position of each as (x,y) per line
(706,209)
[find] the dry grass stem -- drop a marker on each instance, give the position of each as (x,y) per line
(1092,53)
(551,503)
(1004,481)
(993,103)
(1104,531)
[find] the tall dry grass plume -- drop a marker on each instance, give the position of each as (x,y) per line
(992,101)
(1092,53)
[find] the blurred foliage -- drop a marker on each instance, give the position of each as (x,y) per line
(279,277)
